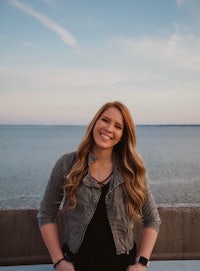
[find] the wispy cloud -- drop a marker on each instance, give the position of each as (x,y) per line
(178,50)
(179,2)
(28,44)
(48,1)
(61,79)
(65,35)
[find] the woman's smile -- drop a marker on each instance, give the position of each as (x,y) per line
(105,136)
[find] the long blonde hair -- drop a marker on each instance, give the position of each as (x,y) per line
(130,164)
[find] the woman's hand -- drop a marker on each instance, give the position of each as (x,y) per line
(65,266)
(137,267)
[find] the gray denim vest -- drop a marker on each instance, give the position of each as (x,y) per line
(87,197)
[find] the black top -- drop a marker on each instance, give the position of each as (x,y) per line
(97,251)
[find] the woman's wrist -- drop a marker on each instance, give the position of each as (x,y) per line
(59,261)
(142,260)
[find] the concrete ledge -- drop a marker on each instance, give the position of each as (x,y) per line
(21,242)
(186,265)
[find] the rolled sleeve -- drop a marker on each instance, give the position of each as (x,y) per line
(151,217)
(53,195)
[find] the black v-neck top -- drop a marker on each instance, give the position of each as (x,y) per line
(97,251)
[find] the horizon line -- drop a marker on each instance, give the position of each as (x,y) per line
(144,124)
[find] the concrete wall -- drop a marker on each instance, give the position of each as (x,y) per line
(21,242)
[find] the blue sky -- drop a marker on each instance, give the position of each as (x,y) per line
(60,60)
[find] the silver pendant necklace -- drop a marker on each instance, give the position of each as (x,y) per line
(102,182)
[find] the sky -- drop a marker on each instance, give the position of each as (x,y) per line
(60,60)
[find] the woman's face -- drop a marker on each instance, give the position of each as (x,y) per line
(108,129)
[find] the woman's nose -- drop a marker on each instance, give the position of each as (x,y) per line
(109,127)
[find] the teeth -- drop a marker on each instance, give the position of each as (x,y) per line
(105,136)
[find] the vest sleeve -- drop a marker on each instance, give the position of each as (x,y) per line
(53,194)
(151,217)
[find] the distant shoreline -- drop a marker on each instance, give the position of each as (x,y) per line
(84,125)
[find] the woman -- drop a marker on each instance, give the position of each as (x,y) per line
(104,190)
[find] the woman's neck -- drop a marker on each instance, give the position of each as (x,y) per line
(101,169)
(104,156)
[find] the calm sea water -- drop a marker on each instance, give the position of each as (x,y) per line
(28,153)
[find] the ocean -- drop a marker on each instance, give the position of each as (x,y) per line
(28,153)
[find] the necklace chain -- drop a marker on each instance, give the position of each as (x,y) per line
(102,182)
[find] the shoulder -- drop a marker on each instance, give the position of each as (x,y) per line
(65,162)
(67,158)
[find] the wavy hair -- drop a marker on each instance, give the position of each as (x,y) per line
(129,162)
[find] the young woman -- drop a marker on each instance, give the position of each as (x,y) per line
(104,190)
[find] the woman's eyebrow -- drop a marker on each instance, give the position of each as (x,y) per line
(117,122)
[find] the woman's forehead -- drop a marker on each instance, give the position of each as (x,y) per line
(113,113)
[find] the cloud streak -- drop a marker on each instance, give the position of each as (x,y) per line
(65,35)
(179,2)
(180,51)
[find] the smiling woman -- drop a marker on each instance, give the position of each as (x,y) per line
(104,190)
(108,129)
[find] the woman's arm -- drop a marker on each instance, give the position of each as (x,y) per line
(49,208)
(50,236)
(147,243)
(148,240)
